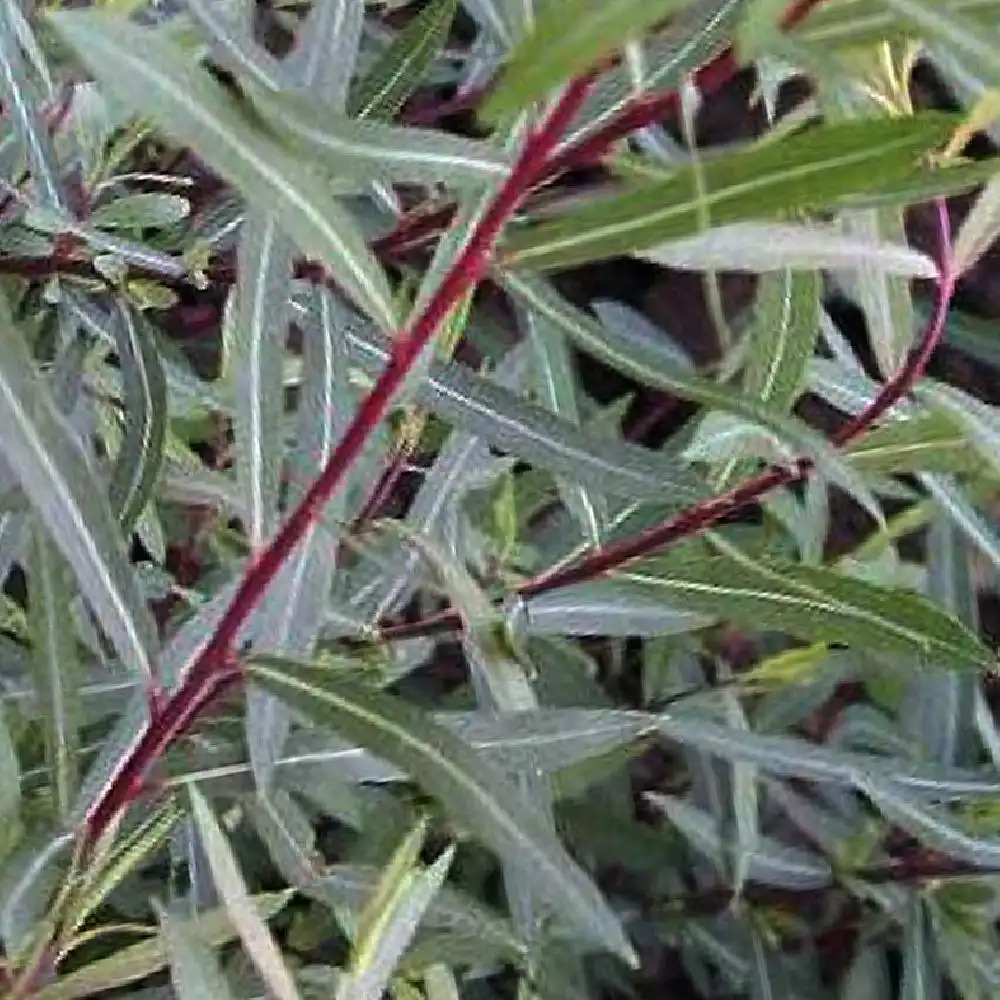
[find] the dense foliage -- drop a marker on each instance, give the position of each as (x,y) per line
(471,526)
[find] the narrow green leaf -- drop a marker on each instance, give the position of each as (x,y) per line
(817,168)
(452,913)
(809,602)
(571,37)
(383,90)
(536,435)
(254,363)
(155,78)
(137,961)
(930,442)
(371,150)
(479,795)
(295,608)
(23,105)
(260,946)
(557,389)
(194,969)
(140,456)
(326,51)
(849,23)
(885,299)
(782,338)
(693,36)
(232,35)
(99,880)
(396,928)
(980,227)
(62,488)
(650,363)
(57,668)
(921,978)
(146,210)
(10,788)
(937,22)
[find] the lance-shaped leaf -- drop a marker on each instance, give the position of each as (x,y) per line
(369,150)
(569,38)
(57,668)
(255,356)
(260,945)
(820,167)
(137,961)
(382,91)
(194,969)
(326,51)
(137,464)
(54,473)
(23,104)
(233,41)
(154,78)
(295,607)
(653,364)
(810,602)
(556,385)
(761,247)
(475,792)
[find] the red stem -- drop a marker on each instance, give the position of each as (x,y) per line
(212,671)
(638,112)
(703,515)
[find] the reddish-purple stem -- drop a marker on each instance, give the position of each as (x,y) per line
(212,671)
(703,515)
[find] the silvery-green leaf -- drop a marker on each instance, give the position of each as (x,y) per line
(23,105)
(931,824)
(812,602)
(397,925)
(973,525)
(451,912)
(534,434)
(57,668)
(377,151)
(921,978)
(968,39)
(257,940)
(884,299)
(232,39)
(28,878)
(769,861)
(695,34)
(145,210)
(326,51)
(556,381)
(138,462)
(652,365)
(760,247)
(254,363)
(479,793)
(802,759)
(138,961)
(602,607)
(294,609)
(980,227)
(194,969)
(56,476)
(154,77)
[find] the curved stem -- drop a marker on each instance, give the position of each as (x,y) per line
(215,668)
